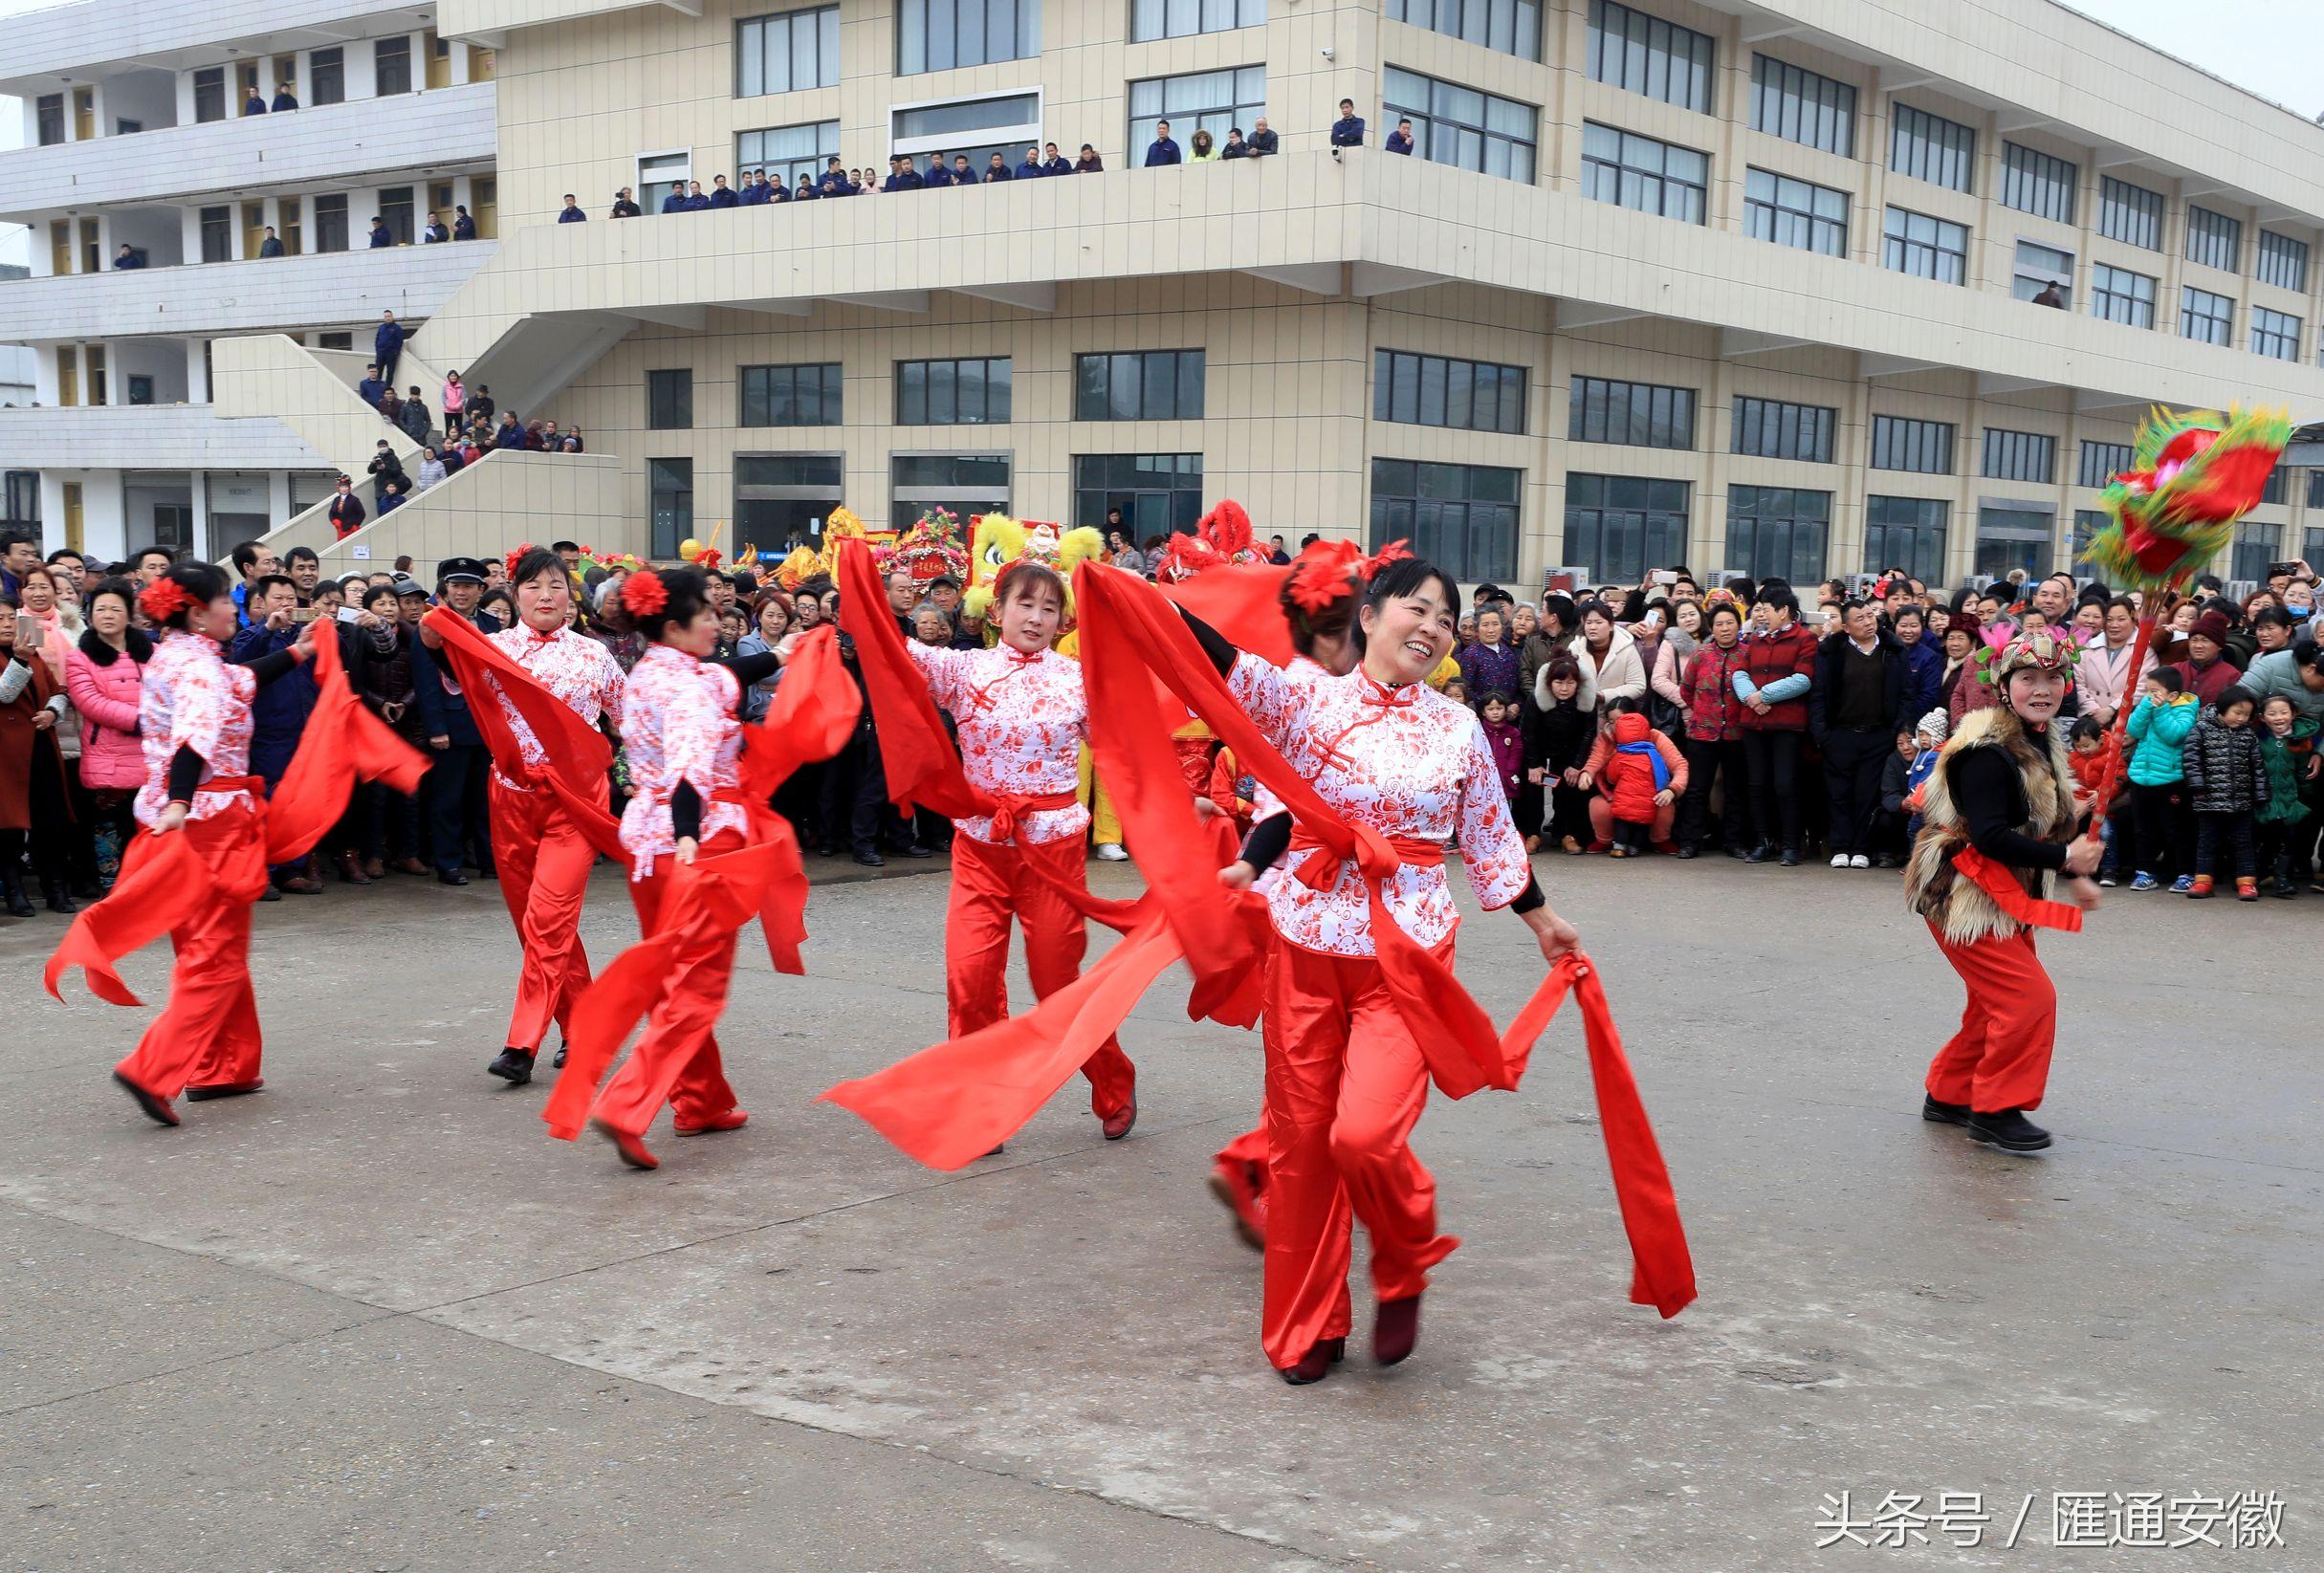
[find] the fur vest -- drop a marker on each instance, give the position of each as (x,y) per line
(1962,912)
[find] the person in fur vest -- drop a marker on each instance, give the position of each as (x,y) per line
(1640,775)
(1998,824)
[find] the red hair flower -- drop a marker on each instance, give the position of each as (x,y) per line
(644,594)
(1323,573)
(1395,551)
(162,599)
(508,565)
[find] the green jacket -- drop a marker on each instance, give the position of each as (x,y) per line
(2286,761)
(2156,734)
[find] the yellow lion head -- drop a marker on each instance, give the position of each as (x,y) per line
(999,540)
(841,525)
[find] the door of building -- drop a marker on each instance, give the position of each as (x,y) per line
(484,206)
(84,113)
(72,520)
(439,61)
(254,228)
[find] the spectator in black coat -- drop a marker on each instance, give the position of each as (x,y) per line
(1854,709)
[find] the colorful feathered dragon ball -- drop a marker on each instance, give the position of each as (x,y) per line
(2192,476)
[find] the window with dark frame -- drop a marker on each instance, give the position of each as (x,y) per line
(787,53)
(1930,147)
(1645,55)
(1906,533)
(49,117)
(1778,530)
(1621,526)
(2120,296)
(1434,390)
(968,391)
(1158,493)
(1647,176)
(210,95)
(1200,100)
(391,65)
(2038,184)
(2131,214)
(1462,517)
(1795,212)
(1899,441)
(1457,125)
(1139,385)
(941,35)
(1151,20)
(1924,247)
(2020,456)
(2101,463)
(217,234)
(331,223)
(669,400)
(1802,106)
(1771,429)
(2214,240)
(669,484)
(327,77)
(2283,262)
(2275,334)
(808,395)
(1635,414)
(2206,318)
(1506,27)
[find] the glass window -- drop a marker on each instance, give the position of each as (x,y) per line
(2256,546)
(395,211)
(1906,533)
(1462,517)
(964,485)
(1158,493)
(791,396)
(795,152)
(210,95)
(391,65)
(2206,318)
(331,223)
(2214,239)
(2271,490)
(217,234)
(2036,182)
(49,111)
(1770,428)
(1461,126)
(1628,49)
(1634,414)
(2020,456)
(2039,268)
(2130,213)
(2013,537)
(1138,386)
(1152,19)
(976,127)
(1513,27)
(669,400)
(1792,212)
(327,77)
(1932,148)
(2120,296)
(1778,530)
(2275,334)
(786,54)
(2283,261)
(1471,395)
(1621,526)
(1653,177)
(670,489)
(949,393)
(1802,106)
(1924,447)
(941,35)
(1203,101)
(1924,247)
(2102,462)
(779,495)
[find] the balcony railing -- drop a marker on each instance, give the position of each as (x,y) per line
(95,32)
(217,297)
(150,437)
(433,132)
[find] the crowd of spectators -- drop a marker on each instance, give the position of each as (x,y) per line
(1661,717)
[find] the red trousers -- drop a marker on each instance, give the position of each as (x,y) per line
(1602,821)
(989,884)
(676,1061)
(208,1034)
(1999,1059)
(543,862)
(1346,1083)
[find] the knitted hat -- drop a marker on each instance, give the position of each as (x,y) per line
(1936,724)
(2211,625)
(1963,622)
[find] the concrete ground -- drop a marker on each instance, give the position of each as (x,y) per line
(376,1317)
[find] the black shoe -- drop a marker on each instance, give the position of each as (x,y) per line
(1884,860)
(916,850)
(11,894)
(827,849)
(559,1061)
(1943,1113)
(1739,852)
(1684,851)
(271,893)
(60,900)
(1758,854)
(450,876)
(872,860)
(2286,889)
(1790,858)
(514,1067)
(2009,1130)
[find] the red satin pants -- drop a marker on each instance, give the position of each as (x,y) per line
(1346,1083)
(676,1061)
(544,863)
(990,884)
(207,1035)
(1999,1059)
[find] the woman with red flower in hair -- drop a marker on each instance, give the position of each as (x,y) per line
(545,848)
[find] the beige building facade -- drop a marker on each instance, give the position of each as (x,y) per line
(1749,288)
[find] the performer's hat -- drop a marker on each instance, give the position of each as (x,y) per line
(2040,650)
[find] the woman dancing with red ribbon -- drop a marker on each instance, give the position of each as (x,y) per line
(212,834)
(544,850)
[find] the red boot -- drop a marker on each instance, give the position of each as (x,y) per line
(732,1119)
(1236,1186)
(631,1148)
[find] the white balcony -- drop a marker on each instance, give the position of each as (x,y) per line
(104,33)
(438,133)
(295,293)
(147,437)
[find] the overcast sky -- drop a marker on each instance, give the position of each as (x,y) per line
(2274,47)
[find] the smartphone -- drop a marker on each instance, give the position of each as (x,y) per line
(351,613)
(1666,576)
(305,614)
(2275,568)
(28,632)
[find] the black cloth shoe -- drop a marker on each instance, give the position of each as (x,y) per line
(1790,858)
(559,1061)
(1684,851)
(2286,889)
(2009,1130)
(1758,854)
(60,899)
(826,849)
(514,1067)
(271,893)
(914,849)
(450,876)
(872,860)
(1943,1113)
(1738,851)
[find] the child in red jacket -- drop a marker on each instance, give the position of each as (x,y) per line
(1639,774)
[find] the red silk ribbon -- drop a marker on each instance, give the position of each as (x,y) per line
(1995,881)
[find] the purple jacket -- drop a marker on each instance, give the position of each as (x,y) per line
(1507,741)
(1489,669)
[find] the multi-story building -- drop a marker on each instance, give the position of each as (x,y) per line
(151,193)
(1764,286)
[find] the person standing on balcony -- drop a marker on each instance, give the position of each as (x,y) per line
(1088,164)
(675,201)
(270,246)
(388,347)
(1054,163)
(997,168)
(346,513)
(381,235)
(1204,150)
(126,257)
(1263,140)
(624,206)
(1164,151)
(753,192)
(480,407)
(464,228)
(722,195)
(1400,140)
(1032,168)
(1347,131)
(373,387)
(775,191)
(284,99)
(256,103)
(1235,148)
(435,234)
(455,401)
(939,175)
(431,469)
(835,182)
(415,421)
(384,465)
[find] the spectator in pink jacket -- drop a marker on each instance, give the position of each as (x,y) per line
(104,678)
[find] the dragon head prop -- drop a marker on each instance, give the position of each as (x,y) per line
(840,525)
(1222,539)
(2192,476)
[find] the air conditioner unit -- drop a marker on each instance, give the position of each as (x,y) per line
(1563,582)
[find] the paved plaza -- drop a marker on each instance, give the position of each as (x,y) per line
(376,1319)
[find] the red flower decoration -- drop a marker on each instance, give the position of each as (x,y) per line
(1395,551)
(163,598)
(508,565)
(1324,573)
(707,558)
(644,594)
